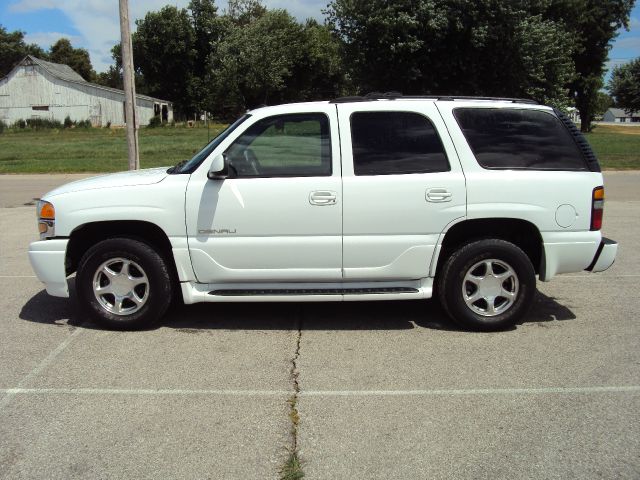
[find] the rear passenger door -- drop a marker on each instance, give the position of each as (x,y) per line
(402,185)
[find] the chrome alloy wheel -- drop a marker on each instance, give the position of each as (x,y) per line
(490,287)
(121,286)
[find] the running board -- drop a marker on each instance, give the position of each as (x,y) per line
(307,292)
(314,291)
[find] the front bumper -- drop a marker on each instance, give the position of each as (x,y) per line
(47,259)
(605,255)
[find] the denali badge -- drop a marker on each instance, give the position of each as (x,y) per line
(221,231)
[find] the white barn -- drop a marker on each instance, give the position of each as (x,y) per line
(39,89)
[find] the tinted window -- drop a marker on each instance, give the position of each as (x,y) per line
(294,145)
(387,143)
(519,139)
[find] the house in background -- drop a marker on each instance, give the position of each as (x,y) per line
(618,115)
(39,89)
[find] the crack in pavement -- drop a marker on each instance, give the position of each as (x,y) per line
(292,468)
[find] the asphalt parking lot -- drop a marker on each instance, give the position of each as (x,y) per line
(386,390)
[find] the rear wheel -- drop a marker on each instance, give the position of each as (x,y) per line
(487,285)
(123,284)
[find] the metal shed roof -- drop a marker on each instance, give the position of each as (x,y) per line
(68,74)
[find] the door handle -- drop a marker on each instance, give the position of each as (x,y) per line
(323,197)
(438,195)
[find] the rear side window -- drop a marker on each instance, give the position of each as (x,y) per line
(506,138)
(391,143)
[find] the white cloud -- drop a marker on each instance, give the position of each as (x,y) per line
(46,39)
(24,6)
(98,23)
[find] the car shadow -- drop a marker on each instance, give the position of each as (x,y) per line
(383,315)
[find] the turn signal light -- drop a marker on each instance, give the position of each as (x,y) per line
(47,211)
(597,208)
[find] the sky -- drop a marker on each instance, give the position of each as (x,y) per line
(94,24)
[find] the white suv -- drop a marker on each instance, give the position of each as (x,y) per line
(361,198)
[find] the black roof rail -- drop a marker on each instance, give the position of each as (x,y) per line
(443,98)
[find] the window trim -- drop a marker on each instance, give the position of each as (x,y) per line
(306,175)
(535,169)
(428,119)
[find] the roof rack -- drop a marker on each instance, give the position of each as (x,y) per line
(373,96)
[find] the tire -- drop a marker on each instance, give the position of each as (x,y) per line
(123,284)
(487,285)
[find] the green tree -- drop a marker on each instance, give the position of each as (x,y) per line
(318,73)
(254,62)
(603,103)
(624,85)
(488,47)
(13,49)
(111,78)
(209,29)
(164,52)
(243,12)
(77,58)
(594,24)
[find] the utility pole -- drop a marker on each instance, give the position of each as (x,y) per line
(129,86)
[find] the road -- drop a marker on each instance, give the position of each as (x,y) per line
(386,390)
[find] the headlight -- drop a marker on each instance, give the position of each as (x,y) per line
(46,219)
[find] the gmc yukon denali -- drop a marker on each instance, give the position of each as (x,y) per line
(382,197)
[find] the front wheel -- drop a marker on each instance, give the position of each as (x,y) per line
(487,285)
(123,284)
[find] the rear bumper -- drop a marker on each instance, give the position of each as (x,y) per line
(605,255)
(47,260)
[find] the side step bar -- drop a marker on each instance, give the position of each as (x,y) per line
(314,291)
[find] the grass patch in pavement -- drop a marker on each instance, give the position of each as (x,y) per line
(105,150)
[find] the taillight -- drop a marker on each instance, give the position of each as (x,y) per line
(597,208)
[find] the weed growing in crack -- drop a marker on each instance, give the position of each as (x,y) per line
(292,469)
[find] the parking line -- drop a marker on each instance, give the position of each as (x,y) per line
(142,391)
(39,368)
(474,391)
(323,393)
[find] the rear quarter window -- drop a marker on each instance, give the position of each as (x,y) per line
(509,138)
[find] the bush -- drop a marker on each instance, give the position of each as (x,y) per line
(20,124)
(42,123)
(155,122)
(83,124)
(3,126)
(68,123)
(108,125)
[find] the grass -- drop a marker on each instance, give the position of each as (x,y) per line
(105,150)
(617,146)
(96,149)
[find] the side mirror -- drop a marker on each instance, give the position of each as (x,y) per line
(218,169)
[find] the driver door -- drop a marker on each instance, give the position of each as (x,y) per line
(277,217)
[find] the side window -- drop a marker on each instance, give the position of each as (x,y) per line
(508,138)
(296,145)
(392,143)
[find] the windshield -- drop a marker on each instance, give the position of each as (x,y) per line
(190,165)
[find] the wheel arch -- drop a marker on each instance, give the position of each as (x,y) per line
(85,236)
(520,232)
